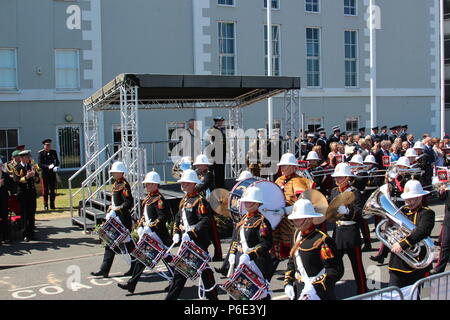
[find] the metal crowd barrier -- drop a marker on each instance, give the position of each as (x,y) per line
(389,293)
(434,287)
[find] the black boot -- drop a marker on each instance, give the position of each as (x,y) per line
(100,273)
(128,286)
(129,273)
(378,259)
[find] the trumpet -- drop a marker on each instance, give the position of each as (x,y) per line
(394,172)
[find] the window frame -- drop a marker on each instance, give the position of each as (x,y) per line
(226,5)
(279,50)
(58,146)
(351,119)
(273,8)
(310,58)
(356,60)
(16,88)
(78,70)
(6,160)
(356,9)
(318,7)
(234,55)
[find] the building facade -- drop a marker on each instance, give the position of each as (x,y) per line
(55,53)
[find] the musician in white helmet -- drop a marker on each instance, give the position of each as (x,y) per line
(192,223)
(314,266)
(253,237)
(204,188)
(156,212)
(400,273)
(122,204)
(346,234)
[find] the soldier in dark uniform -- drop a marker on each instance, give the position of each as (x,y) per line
(394,134)
(346,234)
(444,253)
(362,132)
(193,222)
(49,163)
(253,236)
(313,255)
(6,187)
(310,141)
(403,133)
(218,131)
(204,188)
(335,136)
(122,204)
(25,177)
(323,142)
(342,139)
(424,162)
(315,169)
(384,135)
(13,163)
(400,273)
(156,213)
(375,134)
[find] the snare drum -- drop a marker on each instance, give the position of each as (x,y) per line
(190,260)
(273,200)
(246,284)
(113,233)
(149,251)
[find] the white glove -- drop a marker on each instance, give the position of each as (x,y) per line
(51,166)
(140,232)
(232,259)
(55,169)
(309,293)
(176,238)
(244,259)
(111,214)
(147,229)
(185,237)
(289,291)
(342,210)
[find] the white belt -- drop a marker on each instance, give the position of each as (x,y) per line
(243,241)
(398,199)
(186,225)
(344,223)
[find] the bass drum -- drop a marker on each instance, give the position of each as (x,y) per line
(273,200)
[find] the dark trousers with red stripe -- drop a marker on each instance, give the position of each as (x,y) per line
(354,254)
(48,188)
(364,227)
(445,249)
(216,241)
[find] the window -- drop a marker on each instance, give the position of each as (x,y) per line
(275,50)
(67,69)
(350,7)
(9,139)
(313,57)
(447,49)
(227,63)
(314,124)
(226,2)
(312,5)
(351,73)
(69,145)
(8,69)
(275,4)
(446,9)
(351,125)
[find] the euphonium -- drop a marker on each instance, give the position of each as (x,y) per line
(397,227)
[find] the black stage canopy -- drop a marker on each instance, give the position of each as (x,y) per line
(158,91)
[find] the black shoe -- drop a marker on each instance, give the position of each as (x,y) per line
(52,206)
(126,287)
(378,259)
(222,271)
(100,273)
(46,207)
(26,239)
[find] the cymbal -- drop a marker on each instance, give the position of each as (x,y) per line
(318,201)
(344,199)
(218,200)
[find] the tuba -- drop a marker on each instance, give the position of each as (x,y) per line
(397,227)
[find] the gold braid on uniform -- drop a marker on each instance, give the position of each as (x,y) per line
(288,275)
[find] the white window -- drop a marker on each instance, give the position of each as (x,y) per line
(351,125)
(227,50)
(8,69)
(226,2)
(275,4)
(67,69)
(312,6)
(9,139)
(350,7)
(313,57)
(351,59)
(275,50)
